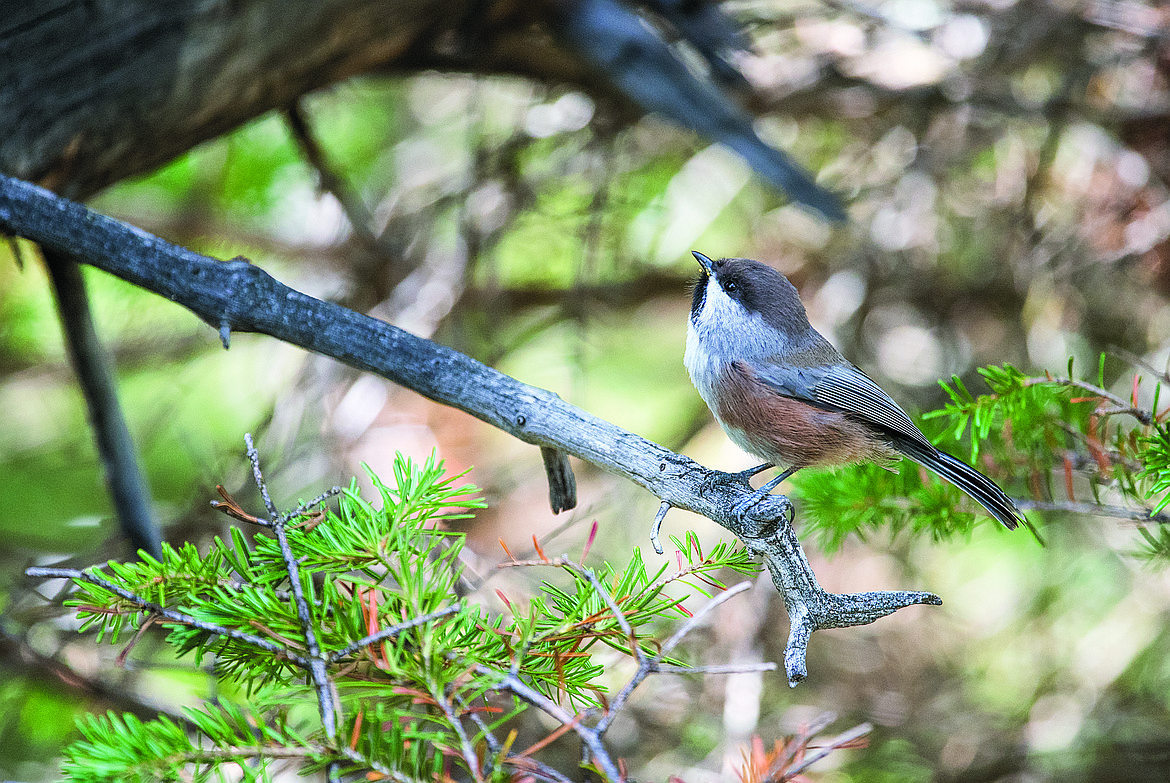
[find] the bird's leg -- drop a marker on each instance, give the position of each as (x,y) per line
(740,509)
(744,475)
(771,485)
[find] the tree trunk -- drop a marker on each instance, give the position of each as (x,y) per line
(94,91)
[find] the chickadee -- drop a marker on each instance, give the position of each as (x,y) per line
(783,393)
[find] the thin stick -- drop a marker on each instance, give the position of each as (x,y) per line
(317,662)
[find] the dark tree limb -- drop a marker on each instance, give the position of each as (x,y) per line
(328,180)
(235,295)
(92,93)
(631,55)
(562,484)
(95,375)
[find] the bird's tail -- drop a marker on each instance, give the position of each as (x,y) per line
(966,478)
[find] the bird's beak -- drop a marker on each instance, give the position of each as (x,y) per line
(707,264)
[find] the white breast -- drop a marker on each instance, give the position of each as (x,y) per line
(705,368)
(723,332)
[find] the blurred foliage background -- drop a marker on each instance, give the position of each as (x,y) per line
(1005,167)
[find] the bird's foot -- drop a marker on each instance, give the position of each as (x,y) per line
(763,511)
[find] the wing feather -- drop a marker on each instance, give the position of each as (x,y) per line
(843,388)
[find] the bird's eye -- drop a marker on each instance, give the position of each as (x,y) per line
(731,286)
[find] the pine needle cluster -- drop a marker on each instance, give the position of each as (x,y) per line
(349,645)
(1056,443)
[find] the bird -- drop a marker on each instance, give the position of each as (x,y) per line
(784,394)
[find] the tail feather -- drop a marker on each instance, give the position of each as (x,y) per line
(966,478)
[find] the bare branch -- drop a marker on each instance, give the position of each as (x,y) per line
(698,616)
(590,738)
(95,375)
(467,750)
(810,607)
(330,181)
(842,739)
(648,666)
(235,295)
(1118,512)
(317,662)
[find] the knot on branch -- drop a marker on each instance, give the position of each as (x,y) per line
(767,516)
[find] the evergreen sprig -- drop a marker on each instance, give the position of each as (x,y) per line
(560,628)
(1155,546)
(1155,457)
(123,747)
(1034,435)
(402,671)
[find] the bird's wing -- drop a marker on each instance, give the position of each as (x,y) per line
(843,388)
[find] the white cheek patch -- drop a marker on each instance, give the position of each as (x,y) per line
(726,329)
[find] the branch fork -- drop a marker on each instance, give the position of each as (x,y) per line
(766,530)
(810,607)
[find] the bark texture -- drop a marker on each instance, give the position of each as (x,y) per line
(94,91)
